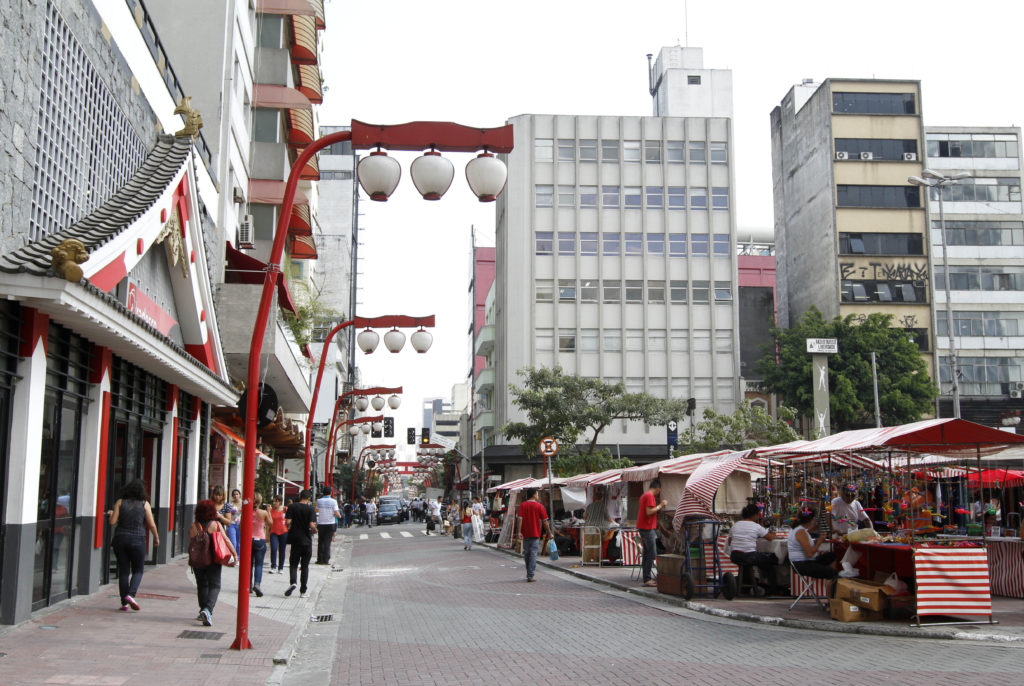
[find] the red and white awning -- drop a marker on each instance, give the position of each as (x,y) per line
(699,494)
(515,485)
(608,476)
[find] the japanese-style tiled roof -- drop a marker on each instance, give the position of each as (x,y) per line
(112,217)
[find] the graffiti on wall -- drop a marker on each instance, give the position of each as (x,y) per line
(884,271)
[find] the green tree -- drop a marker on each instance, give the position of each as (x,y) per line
(905,390)
(266,477)
(565,406)
(573,462)
(747,427)
(310,312)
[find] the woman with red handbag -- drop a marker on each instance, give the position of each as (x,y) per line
(220,552)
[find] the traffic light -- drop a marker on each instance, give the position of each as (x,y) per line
(410,434)
(389,427)
(691,406)
(425,436)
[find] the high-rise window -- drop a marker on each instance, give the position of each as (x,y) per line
(566,196)
(633,197)
(981,189)
(677,291)
(699,292)
(609,150)
(544,194)
(701,341)
(676,197)
(655,197)
(588,243)
(895,150)
(588,196)
(566,243)
(677,245)
(656,340)
(656,291)
(698,198)
(589,290)
(609,196)
(674,152)
(652,152)
(719,152)
(634,244)
(630,151)
(567,290)
(679,342)
(981,233)
(723,291)
(543,149)
(874,103)
(655,244)
(877,196)
(588,150)
(611,244)
(590,340)
(634,291)
(544,340)
(721,245)
(544,290)
(997,278)
(719,198)
(699,244)
(566,340)
(612,340)
(611,291)
(545,242)
(723,341)
(566,150)
(972,145)
(698,152)
(882,243)
(635,340)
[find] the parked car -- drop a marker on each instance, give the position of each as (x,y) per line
(387,512)
(403,511)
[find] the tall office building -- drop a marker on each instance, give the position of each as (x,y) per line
(849,227)
(985,237)
(615,255)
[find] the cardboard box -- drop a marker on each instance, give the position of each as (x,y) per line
(670,565)
(845,611)
(866,594)
(671,585)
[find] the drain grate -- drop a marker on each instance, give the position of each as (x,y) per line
(215,656)
(322,618)
(207,635)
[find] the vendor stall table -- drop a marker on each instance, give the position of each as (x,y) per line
(952,581)
(778,546)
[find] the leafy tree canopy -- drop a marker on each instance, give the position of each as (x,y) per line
(572,462)
(905,389)
(747,427)
(566,406)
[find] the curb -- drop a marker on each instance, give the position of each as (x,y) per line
(806,624)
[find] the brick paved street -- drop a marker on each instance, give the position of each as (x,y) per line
(422,610)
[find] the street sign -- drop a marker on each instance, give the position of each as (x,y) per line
(673,432)
(827,346)
(548,446)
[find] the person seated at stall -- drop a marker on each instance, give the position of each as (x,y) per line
(743,541)
(803,550)
(990,521)
(847,512)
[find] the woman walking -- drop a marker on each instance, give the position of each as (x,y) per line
(132,516)
(226,512)
(467,525)
(235,530)
(278,536)
(261,525)
(208,577)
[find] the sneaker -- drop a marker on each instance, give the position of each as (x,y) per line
(257,591)
(124,608)
(131,603)
(291,589)
(200,616)
(207,618)
(530,579)
(303,594)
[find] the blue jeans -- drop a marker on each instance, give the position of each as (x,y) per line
(467,534)
(277,546)
(233,534)
(259,551)
(531,546)
(649,543)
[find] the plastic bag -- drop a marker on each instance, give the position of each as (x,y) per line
(552,549)
(895,583)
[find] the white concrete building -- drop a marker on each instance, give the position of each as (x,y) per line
(615,255)
(985,237)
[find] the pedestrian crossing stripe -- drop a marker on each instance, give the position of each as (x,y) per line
(385,535)
(406,534)
(363,537)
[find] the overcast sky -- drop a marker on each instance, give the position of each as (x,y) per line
(481,62)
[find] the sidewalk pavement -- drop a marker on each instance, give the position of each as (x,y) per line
(1009,612)
(88,640)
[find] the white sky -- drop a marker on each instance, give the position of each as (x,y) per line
(479,63)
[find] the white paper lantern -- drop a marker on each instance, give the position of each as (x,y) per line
(421,340)
(394,340)
(377,403)
(367,340)
(394,401)
(432,175)
(486,176)
(362,402)
(379,175)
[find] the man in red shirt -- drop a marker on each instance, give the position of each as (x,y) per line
(647,525)
(531,518)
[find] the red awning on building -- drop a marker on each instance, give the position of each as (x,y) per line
(300,225)
(304,43)
(242,268)
(299,7)
(279,97)
(270,192)
(302,248)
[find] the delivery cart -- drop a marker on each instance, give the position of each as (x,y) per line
(701,573)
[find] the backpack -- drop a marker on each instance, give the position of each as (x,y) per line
(200,549)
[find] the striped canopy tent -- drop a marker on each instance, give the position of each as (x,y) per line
(647,472)
(699,494)
(516,485)
(838,460)
(543,482)
(609,476)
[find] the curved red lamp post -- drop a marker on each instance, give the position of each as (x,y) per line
(414,136)
(359,462)
(347,395)
(329,459)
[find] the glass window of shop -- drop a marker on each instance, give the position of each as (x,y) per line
(67,375)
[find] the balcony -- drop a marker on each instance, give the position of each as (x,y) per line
(484,381)
(485,340)
(483,419)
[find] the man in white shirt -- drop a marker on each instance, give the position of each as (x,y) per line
(371,512)
(327,514)
(434,514)
(847,512)
(743,541)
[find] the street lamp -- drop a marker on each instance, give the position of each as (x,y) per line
(933,179)
(415,136)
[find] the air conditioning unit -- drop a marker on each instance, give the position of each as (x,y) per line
(245,237)
(1015,394)
(1019,385)
(867,156)
(910,157)
(842,155)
